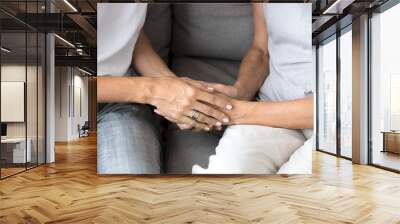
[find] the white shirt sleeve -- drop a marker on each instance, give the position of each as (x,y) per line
(118,27)
(291,75)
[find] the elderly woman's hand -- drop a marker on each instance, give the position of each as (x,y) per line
(187,105)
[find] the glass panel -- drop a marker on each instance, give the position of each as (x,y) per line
(13,87)
(32,89)
(22,89)
(41,99)
(346,94)
(31,100)
(385,114)
(327,96)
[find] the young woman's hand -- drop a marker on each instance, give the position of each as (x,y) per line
(186,104)
(228,90)
(240,112)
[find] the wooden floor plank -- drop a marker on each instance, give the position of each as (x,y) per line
(70,191)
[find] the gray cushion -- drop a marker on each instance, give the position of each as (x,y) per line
(209,70)
(158,28)
(212,30)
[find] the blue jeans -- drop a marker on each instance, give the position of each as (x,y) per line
(131,139)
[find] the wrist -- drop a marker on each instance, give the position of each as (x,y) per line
(148,87)
(158,88)
(240,112)
(240,93)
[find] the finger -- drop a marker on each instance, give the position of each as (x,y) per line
(203,118)
(194,124)
(207,86)
(165,116)
(159,112)
(198,84)
(166,110)
(180,118)
(162,114)
(180,125)
(210,115)
(184,126)
(208,120)
(214,100)
(221,88)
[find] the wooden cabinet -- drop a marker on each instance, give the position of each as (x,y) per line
(391,142)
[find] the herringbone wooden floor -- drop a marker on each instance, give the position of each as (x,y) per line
(70,191)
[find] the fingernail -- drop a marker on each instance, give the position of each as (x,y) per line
(207,128)
(218,124)
(229,107)
(210,89)
(226,120)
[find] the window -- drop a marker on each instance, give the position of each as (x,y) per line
(394,101)
(327,96)
(22,88)
(346,93)
(385,89)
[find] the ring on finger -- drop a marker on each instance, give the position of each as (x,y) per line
(195,115)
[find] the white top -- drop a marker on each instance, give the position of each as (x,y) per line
(290,49)
(118,27)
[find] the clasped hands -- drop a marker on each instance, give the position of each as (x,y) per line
(193,104)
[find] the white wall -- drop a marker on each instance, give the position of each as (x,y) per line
(17,73)
(62,81)
(14,72)
(70,83)
(80,83)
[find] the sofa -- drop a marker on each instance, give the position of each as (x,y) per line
(205,42)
